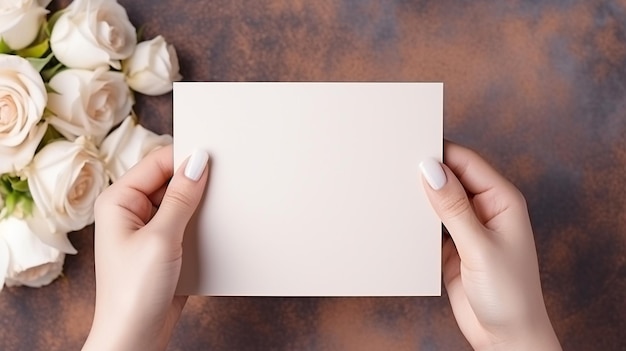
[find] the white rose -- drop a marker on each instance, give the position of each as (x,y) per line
(127,145)
(93,33)
(23,99)
(28,261)
(64,180)
(88,103)
(14,159)
(20,21)
(153,67)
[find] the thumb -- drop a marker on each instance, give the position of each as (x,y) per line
(449,200)
(183,194)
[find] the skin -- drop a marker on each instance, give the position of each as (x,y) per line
(490,268)
(140,221)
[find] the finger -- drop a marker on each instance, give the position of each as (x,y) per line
(448,254)
(491,193)
(449,200)
(178,303)
(150,174)
(461,307)
(125,206)
(157,196)
(132,197)
(476,175)
(183,195)
(451,269)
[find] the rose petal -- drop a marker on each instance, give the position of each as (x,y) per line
(19,28)
(153,67)
(39,276)
(58,240)
(24,94)
(88,103)
(14,159)
(44,3)
(26,249)
(92,34)
(127,145)
(67,40)
(52,176)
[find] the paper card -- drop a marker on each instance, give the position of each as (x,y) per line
(314,188)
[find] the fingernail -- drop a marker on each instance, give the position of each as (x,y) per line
(196,164)
(433,173)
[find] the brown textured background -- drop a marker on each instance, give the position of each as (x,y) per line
(537,87)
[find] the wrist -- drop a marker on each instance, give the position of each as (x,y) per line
(534,342)
(116,332)
(107,336)
(106,339)
(538,336)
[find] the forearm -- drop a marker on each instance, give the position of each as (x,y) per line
(540,336)
(115,332)
(109,336)
(107,339)
(548,343)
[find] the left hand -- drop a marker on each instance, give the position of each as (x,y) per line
(140,221)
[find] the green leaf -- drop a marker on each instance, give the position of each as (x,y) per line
(140,32)
(10,202)
(43,33)
(18,205)
(47,113)
(52,21)
(27,205)
(36,51)
(49,90)
(10,184)
(18,200)
(20,185)
(5,185)
(4,47)
(39,63)
(48,73)
(49,136)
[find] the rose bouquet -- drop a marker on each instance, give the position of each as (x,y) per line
(67,128)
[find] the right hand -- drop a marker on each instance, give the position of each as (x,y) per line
(490,267)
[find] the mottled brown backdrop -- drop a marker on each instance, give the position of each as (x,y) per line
(537,87)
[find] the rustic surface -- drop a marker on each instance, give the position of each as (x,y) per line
(537,87)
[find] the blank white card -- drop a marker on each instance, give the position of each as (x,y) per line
(314,188)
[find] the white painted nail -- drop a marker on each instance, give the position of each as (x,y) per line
(433,173)
(196,164)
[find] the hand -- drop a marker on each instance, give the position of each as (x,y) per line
(490,268)
(140,221)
